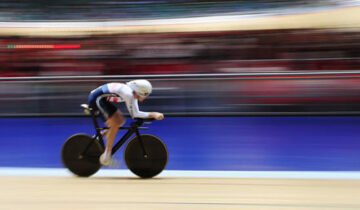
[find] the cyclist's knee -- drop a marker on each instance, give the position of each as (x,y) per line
(117,118)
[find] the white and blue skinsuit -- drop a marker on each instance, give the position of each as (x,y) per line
(102,97)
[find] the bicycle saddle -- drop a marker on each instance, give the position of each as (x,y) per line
(87,109)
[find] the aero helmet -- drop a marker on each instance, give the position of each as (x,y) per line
(142,87)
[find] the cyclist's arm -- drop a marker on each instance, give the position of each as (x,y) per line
(133,108)
(156,115)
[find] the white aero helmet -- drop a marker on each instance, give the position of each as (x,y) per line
(142,87)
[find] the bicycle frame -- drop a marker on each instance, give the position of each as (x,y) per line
(133,128)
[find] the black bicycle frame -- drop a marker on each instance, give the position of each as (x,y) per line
(133,128)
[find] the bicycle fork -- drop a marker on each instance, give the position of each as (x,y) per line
(142,144)
(126,136)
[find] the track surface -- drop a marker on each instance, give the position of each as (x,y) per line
(38,193)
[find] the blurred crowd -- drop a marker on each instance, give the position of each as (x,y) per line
(175,53)
(329,58)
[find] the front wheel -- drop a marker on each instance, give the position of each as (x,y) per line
(80,154)
(151,164)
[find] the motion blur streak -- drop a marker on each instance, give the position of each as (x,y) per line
(43,46)
(322,93)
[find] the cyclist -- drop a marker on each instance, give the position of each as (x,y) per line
(100,100)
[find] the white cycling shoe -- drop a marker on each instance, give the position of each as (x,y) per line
(107,160)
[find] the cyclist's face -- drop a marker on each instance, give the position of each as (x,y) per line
(139,98)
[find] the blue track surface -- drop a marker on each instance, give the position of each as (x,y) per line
(205,143)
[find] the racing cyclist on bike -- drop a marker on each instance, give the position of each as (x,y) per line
(100,100)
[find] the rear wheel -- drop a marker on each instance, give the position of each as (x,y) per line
(76,159)
(150,165)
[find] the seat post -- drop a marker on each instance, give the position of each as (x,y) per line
(95,122)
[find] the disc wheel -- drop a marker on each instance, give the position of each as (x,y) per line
(150,165)
(75,158)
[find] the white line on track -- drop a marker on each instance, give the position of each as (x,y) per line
(9,171)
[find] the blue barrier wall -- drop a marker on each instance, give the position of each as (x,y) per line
(205,143)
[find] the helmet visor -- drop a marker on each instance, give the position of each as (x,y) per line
(144,94)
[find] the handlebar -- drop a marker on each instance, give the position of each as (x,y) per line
(144,119)
(135,124)
(139,121)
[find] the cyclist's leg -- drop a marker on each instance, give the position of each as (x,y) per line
(114,122)
(114,119)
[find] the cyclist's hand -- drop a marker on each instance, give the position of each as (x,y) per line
(158,115)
